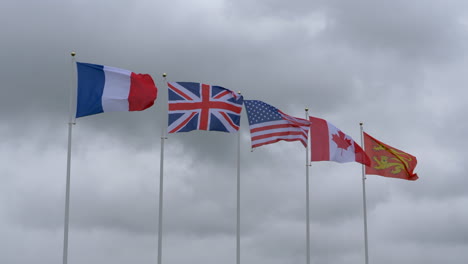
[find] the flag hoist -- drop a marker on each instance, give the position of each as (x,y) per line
(364,205)
(328,143)
(161,182)
(71,122)
(238,197)
(387,161)
(269,125)
(102,89)
(199,106)
(307,196)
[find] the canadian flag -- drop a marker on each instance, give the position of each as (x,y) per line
(329,143)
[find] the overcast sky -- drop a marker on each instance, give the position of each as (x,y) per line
(398,66)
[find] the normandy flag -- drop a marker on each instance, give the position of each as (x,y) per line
(388,161)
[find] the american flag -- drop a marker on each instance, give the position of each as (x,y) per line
(197,106)
(269,125)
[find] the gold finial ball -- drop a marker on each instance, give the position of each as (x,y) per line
(361,124)
(73,53)
(164,75)
(307,109)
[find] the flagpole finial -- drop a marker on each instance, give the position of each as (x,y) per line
(164,75)
(361,124)
(238,92)
(307,109)
(73,54)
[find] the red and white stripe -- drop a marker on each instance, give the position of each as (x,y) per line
(288,129)
(126,91)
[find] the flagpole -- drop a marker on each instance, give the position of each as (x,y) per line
(307,197)
(67,188)
(161,181)
(366,250)
(238,198)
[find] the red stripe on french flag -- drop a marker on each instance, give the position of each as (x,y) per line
(143,92)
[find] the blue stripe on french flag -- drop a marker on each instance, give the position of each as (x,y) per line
(108,89)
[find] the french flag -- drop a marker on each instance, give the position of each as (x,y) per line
(108,89)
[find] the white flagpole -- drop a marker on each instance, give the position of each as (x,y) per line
(67,191)
(307,197)
(366,250)
(161,172)
(238,199)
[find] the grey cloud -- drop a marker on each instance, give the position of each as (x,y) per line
(396,66)
(420,30)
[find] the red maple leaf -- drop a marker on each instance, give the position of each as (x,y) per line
(341,141)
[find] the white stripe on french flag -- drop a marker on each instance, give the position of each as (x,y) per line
(116,89)
(109,89)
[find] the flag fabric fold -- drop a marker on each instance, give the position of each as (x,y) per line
(109,89)
(197,106)
(328,143)
(388,161)
(269,125)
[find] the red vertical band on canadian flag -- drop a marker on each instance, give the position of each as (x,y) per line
(361,155)
(319,139)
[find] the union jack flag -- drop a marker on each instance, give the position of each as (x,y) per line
(269,125)
(197,106)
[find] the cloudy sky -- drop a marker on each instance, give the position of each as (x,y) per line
(398,66)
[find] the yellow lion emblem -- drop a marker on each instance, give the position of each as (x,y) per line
(399,163)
